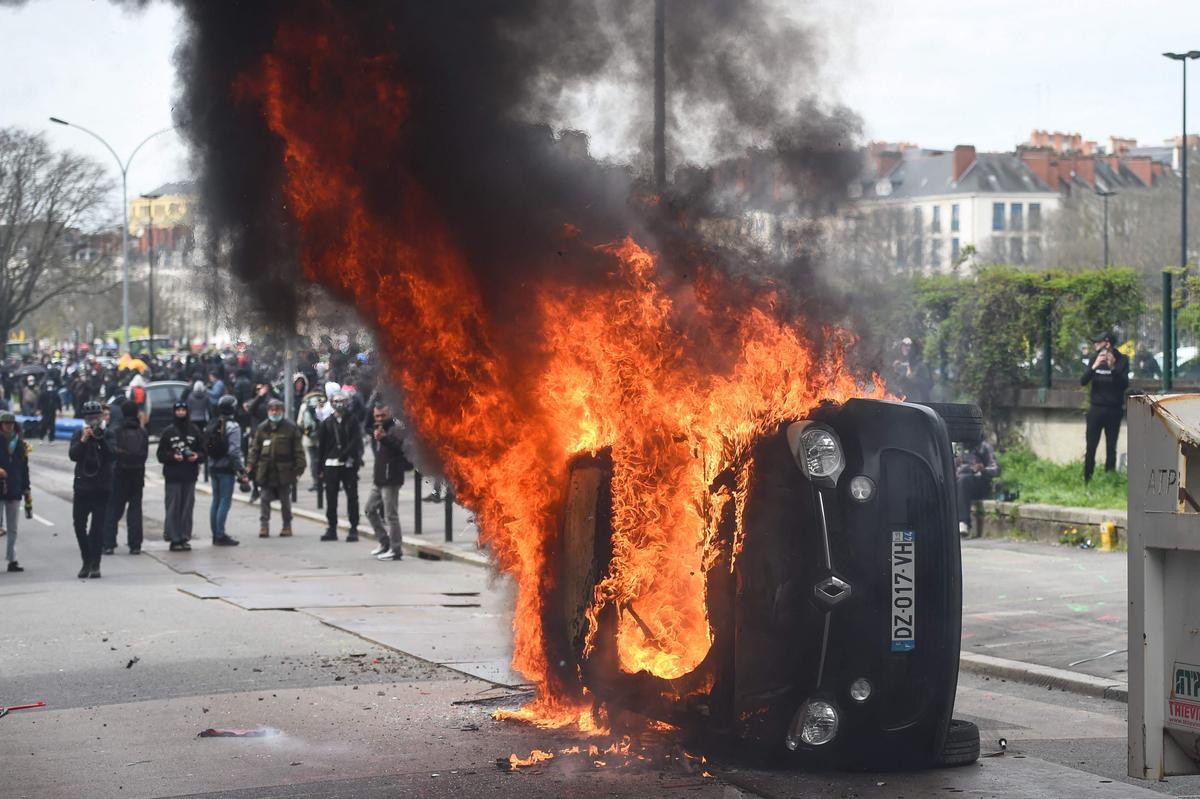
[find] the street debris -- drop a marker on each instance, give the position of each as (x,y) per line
(4,711)
(132,660)
(258,732)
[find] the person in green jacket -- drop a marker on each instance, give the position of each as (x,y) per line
(276,461)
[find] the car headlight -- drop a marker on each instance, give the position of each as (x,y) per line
(817,451)
(815,723)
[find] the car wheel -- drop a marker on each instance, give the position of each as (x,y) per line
(962,744)
(964,422)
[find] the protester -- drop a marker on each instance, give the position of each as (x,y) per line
(131,447)
(339,456)
(309,421)
(276,461)
(180,451)
(223,445)
(93,459)
(48,405)
(383,504)
(976,468)
(198,405)
(910,376)
(1108,375)
(14,484)
(29,396)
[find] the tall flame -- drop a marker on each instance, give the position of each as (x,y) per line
(678,383)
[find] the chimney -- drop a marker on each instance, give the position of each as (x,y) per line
(964,156)
(1039,163)
(1143,168)
(1114,163)
(1085,170)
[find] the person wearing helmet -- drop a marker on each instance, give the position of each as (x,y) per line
(131,447)
(223,442)
(339,455)
(309,421)
(14,484)
(276,461)
(180,451)
(93,458)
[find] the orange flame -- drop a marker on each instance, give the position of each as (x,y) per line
(677,384)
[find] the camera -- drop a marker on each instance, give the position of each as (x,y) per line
(186,453)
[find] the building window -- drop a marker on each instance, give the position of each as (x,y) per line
(997,216)
(998,249)
(901,254)
(918,220)
(955,250)
(1018,217)
(1035,216)
(935,253)
(936,222)
(1035,245)
(1016,250)
(915,252)
(954,218)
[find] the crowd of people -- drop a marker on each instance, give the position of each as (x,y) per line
(230,424)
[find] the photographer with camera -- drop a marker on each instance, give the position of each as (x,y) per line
(910,376)
(180,451)
(223,446)
(276,461)
(383,504)
(1108,375)
(93,459)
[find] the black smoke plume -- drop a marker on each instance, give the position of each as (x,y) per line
(485,81)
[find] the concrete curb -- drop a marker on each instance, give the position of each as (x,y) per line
(1048,676)
(420,549)
(983,665)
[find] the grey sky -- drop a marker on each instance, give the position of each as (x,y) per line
(934,72)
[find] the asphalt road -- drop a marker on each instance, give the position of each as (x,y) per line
(359,665)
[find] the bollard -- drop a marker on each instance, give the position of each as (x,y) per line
(448,498)
(1108,536)
(417,506)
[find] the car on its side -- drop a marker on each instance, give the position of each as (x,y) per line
(836,632)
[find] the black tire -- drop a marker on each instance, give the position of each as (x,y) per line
(964,422)
(962,744)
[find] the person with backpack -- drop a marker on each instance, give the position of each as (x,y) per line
(276,461)
(14,484)
(339,456)
(93,458)
(223,447)
(180,451)
(131,446)
(383,505)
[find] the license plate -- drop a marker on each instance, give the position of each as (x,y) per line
(904,591)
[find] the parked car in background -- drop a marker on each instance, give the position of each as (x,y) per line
(161,396)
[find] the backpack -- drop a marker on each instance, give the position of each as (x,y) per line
(131,447)
(216,443)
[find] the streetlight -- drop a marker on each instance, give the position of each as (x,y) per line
(1105,194)
(150,257)
(1168,334)
(124,167)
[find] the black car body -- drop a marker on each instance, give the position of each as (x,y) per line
(846,580)
(161,396)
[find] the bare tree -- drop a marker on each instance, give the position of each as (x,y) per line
(49,206)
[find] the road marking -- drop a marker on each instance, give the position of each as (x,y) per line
(40,520)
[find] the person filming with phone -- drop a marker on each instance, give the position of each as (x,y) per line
(1108,375)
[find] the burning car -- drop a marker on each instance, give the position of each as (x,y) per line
(835,606)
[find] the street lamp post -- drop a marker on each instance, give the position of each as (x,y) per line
(124,168)
(1105,194)
(150,198)
(1168,340)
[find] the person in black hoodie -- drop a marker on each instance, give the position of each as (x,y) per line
(131,446)
(339,456)
(1108,375)
(180,451)
(93,459)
